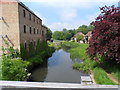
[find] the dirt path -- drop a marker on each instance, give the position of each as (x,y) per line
(113,79)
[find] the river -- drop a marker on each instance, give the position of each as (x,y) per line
(57,68)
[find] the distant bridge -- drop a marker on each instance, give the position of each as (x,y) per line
(17,85)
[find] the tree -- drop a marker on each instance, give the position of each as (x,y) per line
(79,37)
(49,34)
(63,35)
(72,32)
(105,40)
(84,29)
(56,35)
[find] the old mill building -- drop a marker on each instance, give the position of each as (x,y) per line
(19,25)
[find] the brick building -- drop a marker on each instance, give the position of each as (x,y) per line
(19,25)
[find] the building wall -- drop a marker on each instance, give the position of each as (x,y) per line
(0,26)
(29,23)
(9,23)
(44,32)
(15,25)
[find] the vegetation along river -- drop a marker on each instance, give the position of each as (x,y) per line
(57,68)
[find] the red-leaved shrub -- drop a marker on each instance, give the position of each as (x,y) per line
(105,40)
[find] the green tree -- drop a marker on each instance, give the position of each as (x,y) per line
(56,35)
(79,37)
(63,35)
(84,29)
(49,34)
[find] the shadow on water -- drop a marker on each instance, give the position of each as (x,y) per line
(57,68)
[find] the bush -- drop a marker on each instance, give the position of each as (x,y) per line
(0,68)
(105,36)
(14,69)
(43,51)
(23,52)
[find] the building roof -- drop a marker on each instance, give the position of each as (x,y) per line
(79,33)
(89,34)
(24,6)
(45,26)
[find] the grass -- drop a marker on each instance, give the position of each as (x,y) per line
(79,51)
(101,77)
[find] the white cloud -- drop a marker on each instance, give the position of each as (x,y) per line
(74,23)
(68,14)
(59,26)
(67,11)
(71,3)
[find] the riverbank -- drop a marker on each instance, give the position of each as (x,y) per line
(17,69)
(99,73)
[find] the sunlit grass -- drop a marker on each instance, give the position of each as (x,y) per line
(101,77)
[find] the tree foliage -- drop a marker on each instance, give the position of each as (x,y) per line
(49,34)
(63,35)
(79,37)
(84,29)
(68,34)
(105,39)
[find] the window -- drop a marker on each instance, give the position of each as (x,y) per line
(25,29)
(42,33)
(24,13)
(34,18)
(34,30)
(40,22)
(37,21)
(25,45)
(37,31)
(29,16)
(30,30)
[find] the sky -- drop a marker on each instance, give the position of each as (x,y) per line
(70,14)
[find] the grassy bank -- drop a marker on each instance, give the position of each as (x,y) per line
(79,51)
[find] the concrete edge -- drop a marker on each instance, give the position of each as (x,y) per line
(22,84)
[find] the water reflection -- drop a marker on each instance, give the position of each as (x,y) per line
(57,69)
(39,73)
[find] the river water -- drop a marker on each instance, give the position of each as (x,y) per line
(57,68)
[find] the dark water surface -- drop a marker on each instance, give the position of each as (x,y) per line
(58,68)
